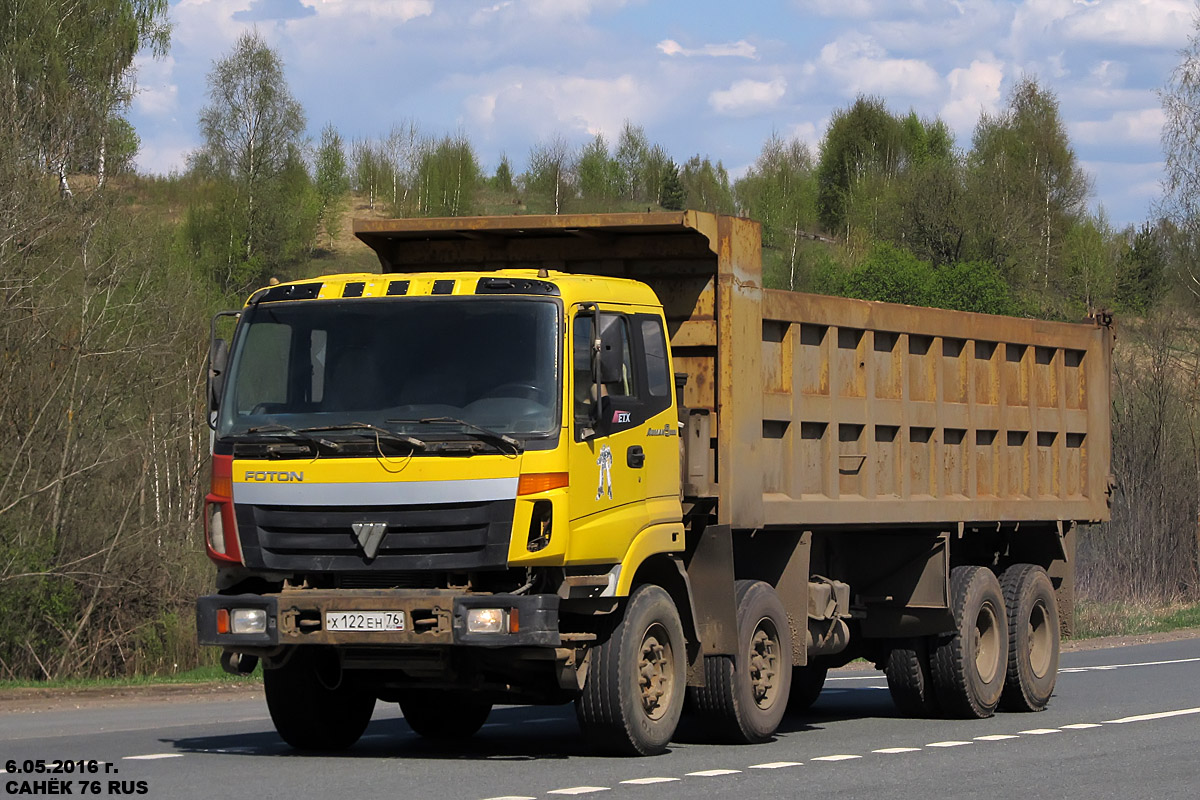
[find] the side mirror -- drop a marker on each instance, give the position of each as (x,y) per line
(218,357)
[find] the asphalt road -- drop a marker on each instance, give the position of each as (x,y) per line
(1124,722)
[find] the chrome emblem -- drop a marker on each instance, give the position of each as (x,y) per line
(369,535)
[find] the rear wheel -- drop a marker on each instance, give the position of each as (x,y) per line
(807,683)
(968,666)
(745,698)
(633,694)
(443,715)
(909,678)
(313,703)
(1033,638)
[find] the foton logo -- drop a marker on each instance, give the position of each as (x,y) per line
(274,477)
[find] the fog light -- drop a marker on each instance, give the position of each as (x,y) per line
(216,529)
(485,620)
(248,620)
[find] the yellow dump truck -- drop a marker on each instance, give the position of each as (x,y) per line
(590,458)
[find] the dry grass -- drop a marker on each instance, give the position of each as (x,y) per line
(1128,619)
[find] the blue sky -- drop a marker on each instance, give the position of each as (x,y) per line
(703,76)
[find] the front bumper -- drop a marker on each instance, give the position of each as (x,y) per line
(432,618)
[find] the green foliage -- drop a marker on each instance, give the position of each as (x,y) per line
(780,190)
(632,157)
(502,181)
(600,176)
(332,180)
(893,275)
(706,185)
(671,193)
(448,177)
(265,212)
(550,183)
(862,140)
(1141,273)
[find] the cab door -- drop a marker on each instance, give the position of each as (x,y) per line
(624,435)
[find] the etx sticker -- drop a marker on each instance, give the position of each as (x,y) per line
(620,416)
(605,462)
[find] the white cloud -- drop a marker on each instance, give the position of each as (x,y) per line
(808,132)
(570,9)
(157,93)
(164,155)
(859,64)
(739,49)
(401,10)
(972,89)
(847,8)
(547,103)
(747,97)
(1149,23)
(1141,126)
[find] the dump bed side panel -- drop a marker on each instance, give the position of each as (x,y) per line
(876,414)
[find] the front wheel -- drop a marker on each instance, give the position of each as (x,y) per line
(744,698)
(633,694)
(314,704)
(443,715)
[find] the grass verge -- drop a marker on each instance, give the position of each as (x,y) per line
(1131,619)
(206,674)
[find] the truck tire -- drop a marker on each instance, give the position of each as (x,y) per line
(807,683)
(910,679)
(1033,638)
(744,698)
(308,713)
(968,666)
(633,694)
(443,715)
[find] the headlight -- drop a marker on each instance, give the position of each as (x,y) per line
(248,620)
(216,529)
(485,620)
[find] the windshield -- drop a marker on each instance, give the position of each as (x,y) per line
(394,363)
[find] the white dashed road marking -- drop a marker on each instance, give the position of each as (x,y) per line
(713,773)
(897,750)
(152,757)
(1082,726)
(951,743)
(996,737)
(511,797)
(1160,715)
(579,790)
(776,765)
(649,781)
(1041,731)
(838,757)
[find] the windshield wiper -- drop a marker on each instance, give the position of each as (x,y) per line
(390,435)
(479,431)
(295,434)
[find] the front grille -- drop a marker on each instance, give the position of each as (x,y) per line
(439,536)
(381,579)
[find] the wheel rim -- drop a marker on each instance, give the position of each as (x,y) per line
(764,663)
(656,672)
(987,644)
(1041,641)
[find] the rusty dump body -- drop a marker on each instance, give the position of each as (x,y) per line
(825,412)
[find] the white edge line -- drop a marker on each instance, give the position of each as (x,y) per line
(1147,717)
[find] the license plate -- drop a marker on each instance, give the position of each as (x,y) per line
(364,620)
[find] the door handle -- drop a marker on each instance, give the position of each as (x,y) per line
(635,457)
